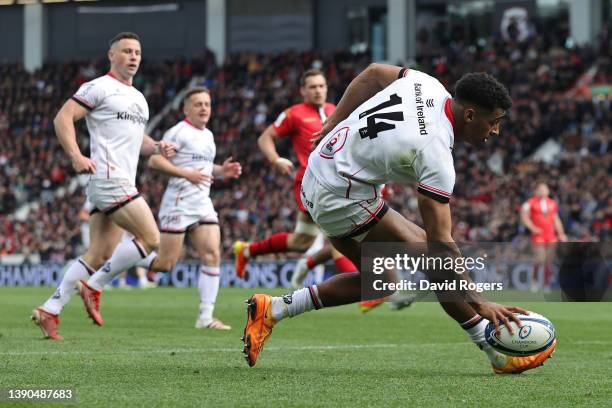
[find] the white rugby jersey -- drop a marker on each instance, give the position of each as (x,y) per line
(403,134)
(195,150)
(118,114)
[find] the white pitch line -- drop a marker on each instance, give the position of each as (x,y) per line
(272,348)
(237,349)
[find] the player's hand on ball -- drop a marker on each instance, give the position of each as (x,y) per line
(197,178)
(231,169)
(82,164)
(497,313)
(283,166)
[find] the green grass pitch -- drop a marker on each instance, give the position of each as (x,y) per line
(148,354)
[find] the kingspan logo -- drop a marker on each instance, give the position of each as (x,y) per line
(135,115)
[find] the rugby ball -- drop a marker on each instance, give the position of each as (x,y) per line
(536,334)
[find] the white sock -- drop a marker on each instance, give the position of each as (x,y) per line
(125,256)
(476,333)
(475,328)
(77,270)
(208,286)
(206,312)
(146,262)
(143,281)
(298,302)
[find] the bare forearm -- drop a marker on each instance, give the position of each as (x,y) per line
(217,171)
(267,146)
(66,134)
(149,146)
(441,253)
(442,247)
(528,223)
(164,166)
(446,251)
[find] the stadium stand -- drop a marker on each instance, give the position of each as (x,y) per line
(250,90)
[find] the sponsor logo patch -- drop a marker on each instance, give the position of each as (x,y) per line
(334,144)
(134,118)
(418,100)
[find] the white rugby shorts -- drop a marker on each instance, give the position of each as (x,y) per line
(177,219)
(337,216)
(109,195)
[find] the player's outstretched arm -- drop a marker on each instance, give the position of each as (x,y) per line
(368,83)
(267,146)
(66,133)
(229,169)
(437,221)
(159,163)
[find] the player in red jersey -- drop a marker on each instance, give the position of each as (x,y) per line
(540,216)
(298,122)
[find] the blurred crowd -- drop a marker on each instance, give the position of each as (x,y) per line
(249,90)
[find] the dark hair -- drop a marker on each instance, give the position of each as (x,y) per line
(195,90)
(482,90)
(309,73)
(123,35)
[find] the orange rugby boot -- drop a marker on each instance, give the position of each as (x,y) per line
(47,322)
(259,326)
(367,305)
(516,365)
(91,300)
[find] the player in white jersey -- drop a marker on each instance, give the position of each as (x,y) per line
(116,115)
(395,124)
(186,206)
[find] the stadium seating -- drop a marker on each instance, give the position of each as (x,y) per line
(249,90)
